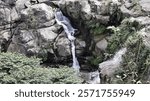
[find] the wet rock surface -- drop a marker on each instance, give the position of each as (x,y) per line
(29,27)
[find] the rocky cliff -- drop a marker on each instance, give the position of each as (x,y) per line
(103,28)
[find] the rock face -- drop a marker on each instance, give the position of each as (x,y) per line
(145,5)
(29,27)
(34,30)
(109,67)
(87,10)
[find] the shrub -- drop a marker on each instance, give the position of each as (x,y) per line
(121,34)
(136,61)
(18,69)
(95,28)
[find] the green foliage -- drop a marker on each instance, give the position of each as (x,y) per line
(120,35)
(136,62)
(95,60)
(96,28)
(18,69)
(135,67)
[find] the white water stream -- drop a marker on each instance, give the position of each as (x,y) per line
(110,66)
(69,30)
(91,77)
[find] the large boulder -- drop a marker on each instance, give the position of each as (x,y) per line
(34,31)
(86,10)
(39,15)
(36,34)
(63,46)
(33,42)
(145,5)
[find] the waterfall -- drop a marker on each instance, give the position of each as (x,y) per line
(118,56)
(110,66)
(70,31)
(92,77)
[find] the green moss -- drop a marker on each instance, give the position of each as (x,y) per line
(16,68)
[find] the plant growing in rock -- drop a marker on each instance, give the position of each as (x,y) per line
(121,34)
(97,32)
(136,61)
(96,28)
(135,65)
(18,69)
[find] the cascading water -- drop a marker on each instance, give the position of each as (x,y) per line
(92,77)
(70,31)
(110,66)
(118,56)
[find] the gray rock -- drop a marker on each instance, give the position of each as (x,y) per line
(37,32)
(90,77)
(22,4)
(142,20)
(10,2)
(85,10)
(4,38)
(5,17)
(39,15)
(62,45)
(132,8)
(102,19)
(126,11)
(145,5)
(14,14)
(102,45)
(80,45)
(145,33)
(5,34)
(47,34)
(33,42)
(16,45)
(109,67)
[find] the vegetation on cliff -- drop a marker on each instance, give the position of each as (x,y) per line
(135,67)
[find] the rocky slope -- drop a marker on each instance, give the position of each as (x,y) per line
(29,27)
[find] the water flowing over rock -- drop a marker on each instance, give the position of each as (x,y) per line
(70,31)
(76,33)
(34,30)
(109,67)
(91,77)
(37,32)
(85,10)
